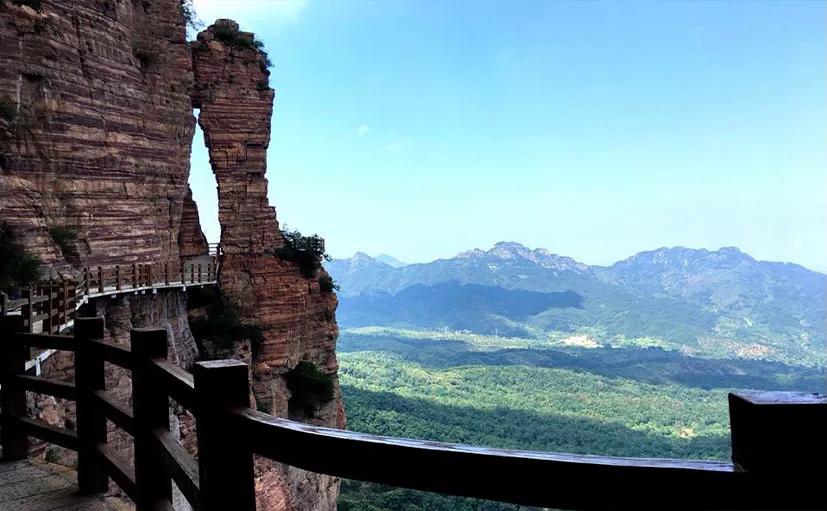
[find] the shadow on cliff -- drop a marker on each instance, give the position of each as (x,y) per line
(650,365)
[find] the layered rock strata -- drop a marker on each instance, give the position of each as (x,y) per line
(296,317)
(191,241)
(96,127)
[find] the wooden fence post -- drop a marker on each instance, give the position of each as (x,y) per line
(49,322)
(182,273)
(192,274)
(15,442)
(118,277)
(225,467)
(166,273)
(85,281)
(91,425)
(199,272)
(150,405)
(134,275)
(100,279)
(63,313)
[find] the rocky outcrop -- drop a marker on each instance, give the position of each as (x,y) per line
(191,240)
(296,317)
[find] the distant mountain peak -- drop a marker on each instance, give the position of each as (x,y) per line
(512,250)
(361,257)
(683,256)
(390,260)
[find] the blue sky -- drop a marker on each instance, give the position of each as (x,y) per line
(593,129)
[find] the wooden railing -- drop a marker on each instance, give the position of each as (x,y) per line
(773,435)
(50,306)
(98,280)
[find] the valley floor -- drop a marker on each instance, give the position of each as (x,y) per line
(521,394)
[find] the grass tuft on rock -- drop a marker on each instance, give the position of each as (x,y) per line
(309,387)
(65,238)
(18,268)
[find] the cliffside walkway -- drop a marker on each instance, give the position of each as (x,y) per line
(50,306)
(777,447)
(30,485)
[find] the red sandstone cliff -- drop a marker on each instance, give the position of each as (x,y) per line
(102,130)
(296,317)
(96,127)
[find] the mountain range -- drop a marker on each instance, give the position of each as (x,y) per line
(720,303)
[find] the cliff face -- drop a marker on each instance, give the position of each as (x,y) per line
(97,126)
(296,317)
(191,241)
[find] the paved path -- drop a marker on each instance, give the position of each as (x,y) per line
(32,485)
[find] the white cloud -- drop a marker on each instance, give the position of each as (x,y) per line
(362,130)
(395,147)
(276,13)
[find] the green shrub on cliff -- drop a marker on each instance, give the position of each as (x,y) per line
(18,269)
(191,19)
(230,35)
(223,327)
(8,110)
(306,251)
(309,387)
(327,284)
(65,237)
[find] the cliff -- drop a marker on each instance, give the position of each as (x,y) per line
(96,127)
(296,317)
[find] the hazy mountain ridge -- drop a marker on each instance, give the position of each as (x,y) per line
(720,302)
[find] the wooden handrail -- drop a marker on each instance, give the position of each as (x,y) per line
(229,433)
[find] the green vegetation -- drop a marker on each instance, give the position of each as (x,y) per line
(190,17)
(65,237)
(262,85)
(233,37)
(306,251)
(327,284)
(8,110)
(539,394)
(18,269)
(309,387)
(145,54)
(222,326)
(18,120)
(52,455)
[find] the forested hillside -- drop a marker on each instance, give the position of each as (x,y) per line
(521,393)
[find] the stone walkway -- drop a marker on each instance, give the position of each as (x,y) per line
(32,485)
